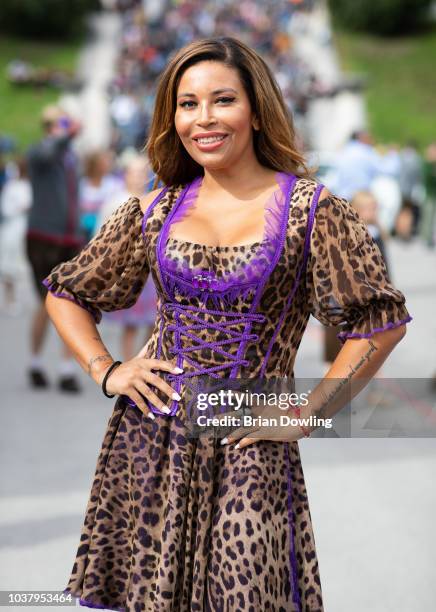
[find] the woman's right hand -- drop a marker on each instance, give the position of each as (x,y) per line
(131,378)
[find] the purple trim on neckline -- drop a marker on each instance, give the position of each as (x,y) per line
(343,335)
(292,557)
(190,281)
(76,300)
(306,251)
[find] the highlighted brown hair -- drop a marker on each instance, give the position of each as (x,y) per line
(274,143)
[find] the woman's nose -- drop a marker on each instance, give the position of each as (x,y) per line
(205,115)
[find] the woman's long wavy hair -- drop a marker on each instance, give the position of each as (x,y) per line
(274,143)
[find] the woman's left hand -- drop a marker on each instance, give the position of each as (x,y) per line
(264,430)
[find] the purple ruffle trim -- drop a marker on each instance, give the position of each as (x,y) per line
(52,287)
(343,336)
(179,277)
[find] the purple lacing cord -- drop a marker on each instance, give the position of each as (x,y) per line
(292,557)
(179,329)
(306,251)
(343,335)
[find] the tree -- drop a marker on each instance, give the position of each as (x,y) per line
(388,17)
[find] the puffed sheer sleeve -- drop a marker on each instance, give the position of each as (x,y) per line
(109,273)
(346,278)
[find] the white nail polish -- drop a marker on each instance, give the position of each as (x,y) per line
(177,370)
(166,409)
(237,445)
(224,441)
(151,416)
(176,396)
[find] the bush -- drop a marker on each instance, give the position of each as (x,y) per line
(44,18)
(380,16)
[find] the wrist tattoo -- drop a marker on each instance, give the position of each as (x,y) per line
(99,358)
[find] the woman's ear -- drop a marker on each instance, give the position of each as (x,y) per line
(255,124)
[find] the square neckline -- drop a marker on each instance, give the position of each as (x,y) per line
(195,185)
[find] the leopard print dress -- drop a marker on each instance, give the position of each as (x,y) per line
(181,523)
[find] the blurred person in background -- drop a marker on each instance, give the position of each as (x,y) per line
(427,226)
(357,165)
(53,233)
(412,182)
(141,316)
(385,187)
(96,187)
(367,208)
(15,202)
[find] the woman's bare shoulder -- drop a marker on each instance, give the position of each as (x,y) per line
(148,198)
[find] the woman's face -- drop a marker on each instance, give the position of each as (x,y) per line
(212,104)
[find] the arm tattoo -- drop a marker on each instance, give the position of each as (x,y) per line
(321,411)
(106,357)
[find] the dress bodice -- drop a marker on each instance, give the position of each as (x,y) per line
(238,312)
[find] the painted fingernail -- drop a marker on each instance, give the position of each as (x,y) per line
(151,416)
(177,370)
(224,441)
(166,409)
(176,396)
(237,445)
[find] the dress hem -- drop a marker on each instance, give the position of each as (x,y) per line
(90,604)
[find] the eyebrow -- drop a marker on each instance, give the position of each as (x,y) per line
(215,92)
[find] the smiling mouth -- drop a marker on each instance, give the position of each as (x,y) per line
(210,139)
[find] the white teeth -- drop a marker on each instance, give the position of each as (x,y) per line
(210,139)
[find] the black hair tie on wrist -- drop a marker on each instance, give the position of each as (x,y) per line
(106,376)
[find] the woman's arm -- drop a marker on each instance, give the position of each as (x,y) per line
(78,330)
(355,365)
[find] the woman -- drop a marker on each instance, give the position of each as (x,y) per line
(141,316)
(96,187)
(181,523)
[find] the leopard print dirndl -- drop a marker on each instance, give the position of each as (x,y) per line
(182,524)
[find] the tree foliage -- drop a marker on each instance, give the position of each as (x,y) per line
(44,18)
(387,17)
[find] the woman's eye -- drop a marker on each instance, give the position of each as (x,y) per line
(182,104)
(226,100)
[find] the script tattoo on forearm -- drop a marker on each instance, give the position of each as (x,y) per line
(321,411)
(106,357)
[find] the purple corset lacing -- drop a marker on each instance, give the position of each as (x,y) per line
(196,322)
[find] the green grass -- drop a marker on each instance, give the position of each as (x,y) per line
(20,106)
(401,84)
